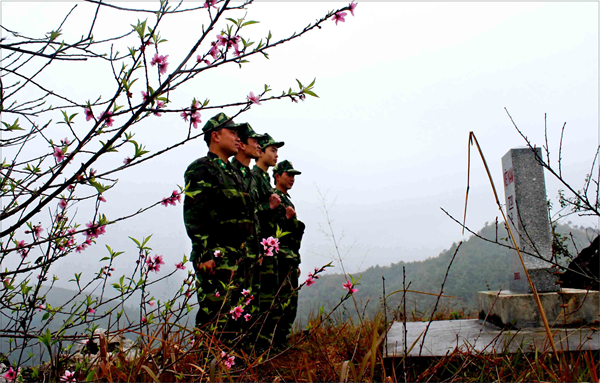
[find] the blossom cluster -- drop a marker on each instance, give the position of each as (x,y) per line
(161,62)
(350,287)
(172,200)
(193,115)
(228,360)
(154,265)
(340,16)
(270,245)
(94,231)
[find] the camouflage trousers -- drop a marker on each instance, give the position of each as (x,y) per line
(225,299)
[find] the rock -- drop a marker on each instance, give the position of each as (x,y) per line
(585,263)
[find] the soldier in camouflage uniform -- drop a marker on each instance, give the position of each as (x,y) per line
(268,201)
(219,219)
(249,149)
(288,259)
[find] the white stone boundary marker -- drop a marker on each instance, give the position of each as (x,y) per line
(527,215)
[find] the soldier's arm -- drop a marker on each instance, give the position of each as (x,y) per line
(197,209)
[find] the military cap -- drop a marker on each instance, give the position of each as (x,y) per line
(219,122)
(285,166)
(267,140)
(245,131)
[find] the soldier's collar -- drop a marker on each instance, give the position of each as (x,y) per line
(217,159)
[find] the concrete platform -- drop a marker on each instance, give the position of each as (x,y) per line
(471,334)
(566,308)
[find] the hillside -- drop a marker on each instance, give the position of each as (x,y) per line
(479,265)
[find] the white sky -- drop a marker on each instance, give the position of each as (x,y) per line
(400,85)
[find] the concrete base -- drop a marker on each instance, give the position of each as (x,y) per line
(566,308)
(477,337)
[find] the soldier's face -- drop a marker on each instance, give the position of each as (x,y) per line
(228,141)
(269,155)
(286,180)
(252,148)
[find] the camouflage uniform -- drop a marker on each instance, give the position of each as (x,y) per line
(288,257)
(219,219)
(269,282)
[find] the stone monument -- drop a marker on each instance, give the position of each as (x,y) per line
(527,215)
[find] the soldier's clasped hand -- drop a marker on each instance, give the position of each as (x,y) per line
(274,201)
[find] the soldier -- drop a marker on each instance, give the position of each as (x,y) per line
(249,149)
(288,259)
(219,218)
(268,201)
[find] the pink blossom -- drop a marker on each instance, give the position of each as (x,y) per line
(109,120)
(350,287)
(37,230)
(339,16)
(195,119)
(254,99)
(228,361)
(65,141)
(58,154)
(217,253)
(180,266)
(80,248)
(127,161)
(221,41)
(20,244)
(145,96)
(214,51)
(159,104)
(245,292)
(91,311)
(210,3)
(236,312)
(68,376)
(161,61)
(184,115)
(94,231)
(88,114)
(269,252)
(310,280)
(10,374)
(265,243)
(217,294)
(247,317)
(101,199)
(144,320)
(352,6)
(151,303)
(41,307)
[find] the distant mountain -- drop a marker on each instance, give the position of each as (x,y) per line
(479,265)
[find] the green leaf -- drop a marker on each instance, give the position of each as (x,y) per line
(249,23)
(99,187)
(311,93)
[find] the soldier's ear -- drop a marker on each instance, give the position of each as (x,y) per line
(215,136)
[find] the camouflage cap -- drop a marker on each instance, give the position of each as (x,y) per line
(285,166)
(219,122)
(267,141)
(245,131)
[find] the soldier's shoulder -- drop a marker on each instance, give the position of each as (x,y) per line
(200,166)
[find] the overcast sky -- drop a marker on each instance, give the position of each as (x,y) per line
(401,85)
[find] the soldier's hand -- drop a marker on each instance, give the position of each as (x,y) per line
(290,212)
(208,267)
(274,201)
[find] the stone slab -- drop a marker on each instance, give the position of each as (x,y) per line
(470,334)
(567,308)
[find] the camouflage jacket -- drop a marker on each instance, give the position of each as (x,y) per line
(218,214)
(264,211)
(290,244)
(249,185)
